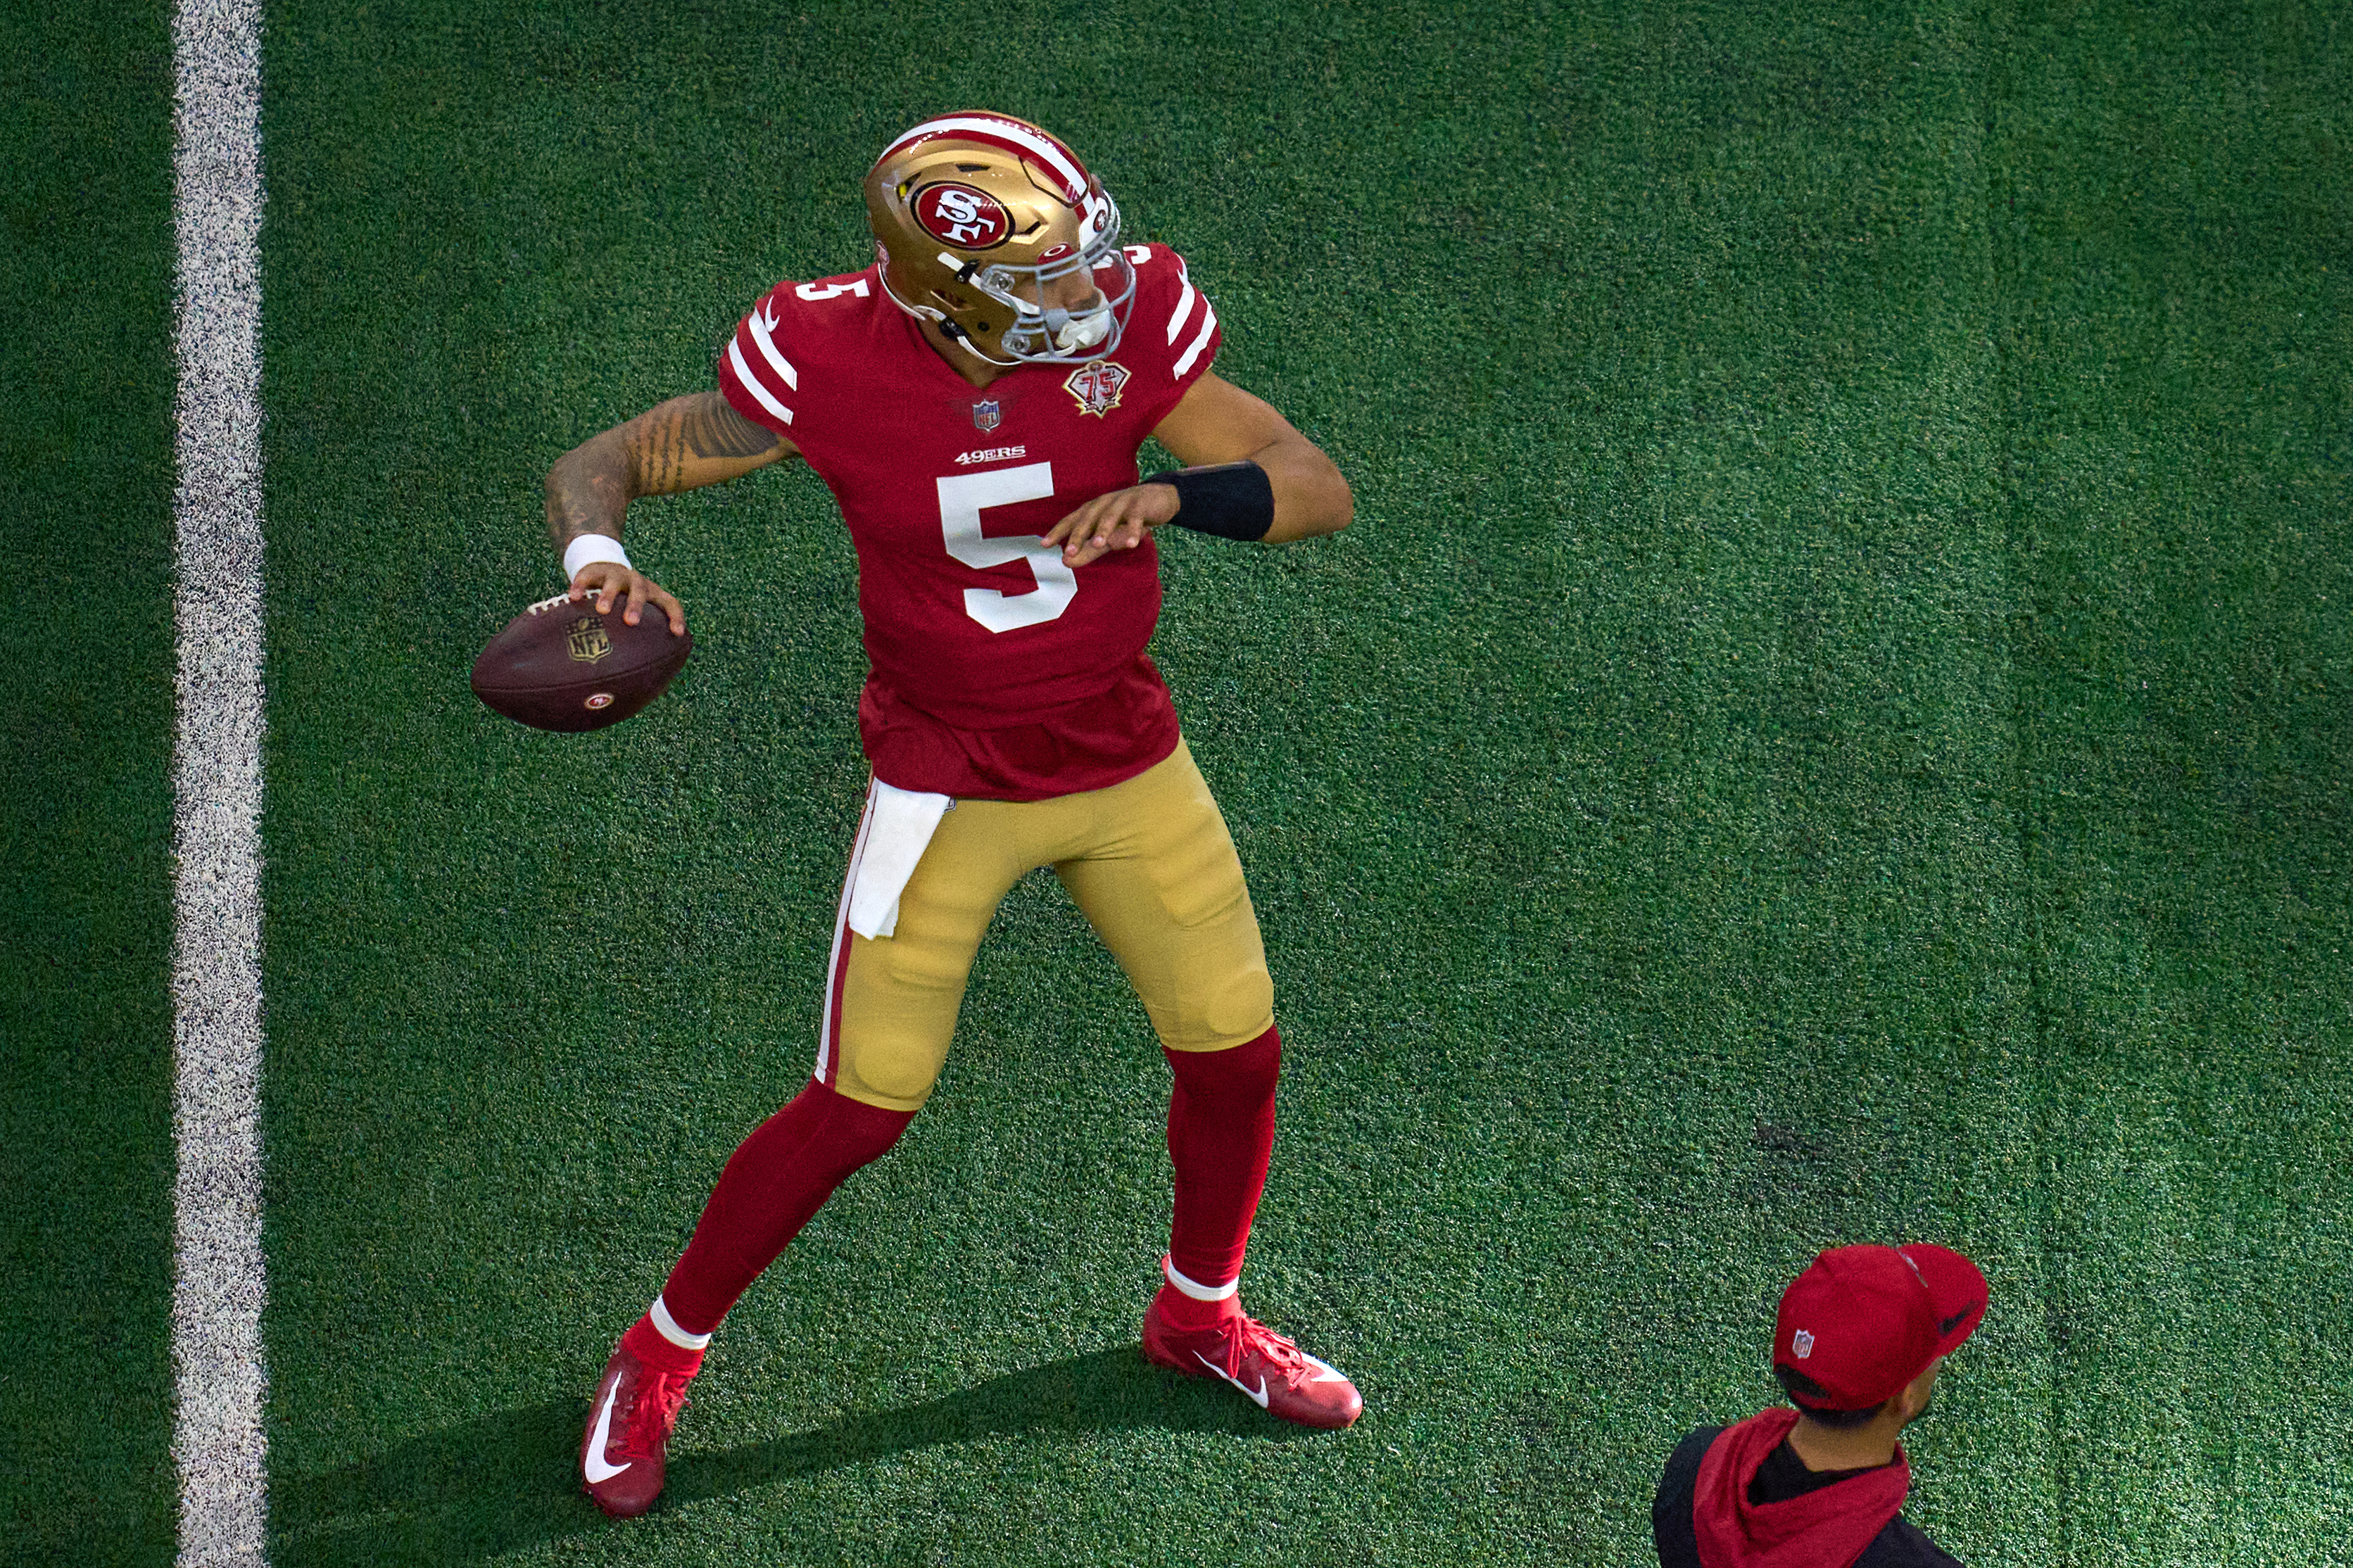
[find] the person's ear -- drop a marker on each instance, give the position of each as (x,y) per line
(1916,1392)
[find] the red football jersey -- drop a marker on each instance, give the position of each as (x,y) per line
(997,670)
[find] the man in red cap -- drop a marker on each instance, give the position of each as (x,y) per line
(1856,1345)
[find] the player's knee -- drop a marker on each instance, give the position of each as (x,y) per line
(1246,1006)
(864,1132)
(1213,1013)
(899,1077)
(1247,1070)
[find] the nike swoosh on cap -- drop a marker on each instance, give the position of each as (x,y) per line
(593,1462)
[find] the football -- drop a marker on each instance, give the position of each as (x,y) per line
(562,666)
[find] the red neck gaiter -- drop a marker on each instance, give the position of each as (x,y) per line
(1827,1528)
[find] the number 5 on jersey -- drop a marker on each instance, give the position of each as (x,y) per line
(963,498)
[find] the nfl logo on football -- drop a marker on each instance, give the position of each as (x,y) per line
(586,640)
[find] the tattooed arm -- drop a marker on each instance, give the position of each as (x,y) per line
(681,445)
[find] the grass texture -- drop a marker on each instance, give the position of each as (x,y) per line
(1830,726)
(86,381)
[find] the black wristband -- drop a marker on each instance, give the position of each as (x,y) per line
(1232,500)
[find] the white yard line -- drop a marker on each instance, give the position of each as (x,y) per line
(217,1282)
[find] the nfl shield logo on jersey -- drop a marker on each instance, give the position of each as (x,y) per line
(1803,1344)
(987,414)
(1096,386)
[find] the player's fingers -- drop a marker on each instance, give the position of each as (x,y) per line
(1134,522)
(1125,532)
(665,601)
(1071,531)
(633,599)
(1091,524)
(1113,517)
(1068,527)
(1084,548)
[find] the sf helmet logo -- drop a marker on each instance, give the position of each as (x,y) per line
(1801,1344)
(962,216)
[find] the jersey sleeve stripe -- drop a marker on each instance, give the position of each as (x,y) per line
(1208,325)
(1184,310)
(760,395)
(762,326)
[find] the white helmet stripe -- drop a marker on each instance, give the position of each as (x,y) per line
(1208,325)
(1021,136)
(760,395)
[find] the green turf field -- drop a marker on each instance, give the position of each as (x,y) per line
(1830,725)
(85,379)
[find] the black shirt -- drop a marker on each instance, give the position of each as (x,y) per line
(1782,1477)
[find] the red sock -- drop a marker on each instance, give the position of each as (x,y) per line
(776,1180)
(651,1346)
(1220,1135)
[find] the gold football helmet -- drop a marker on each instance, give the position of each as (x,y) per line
(995,230)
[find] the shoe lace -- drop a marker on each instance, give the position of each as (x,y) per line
(652,1414)
(1282,1355)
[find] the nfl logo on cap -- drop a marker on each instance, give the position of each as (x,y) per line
(1801,1344)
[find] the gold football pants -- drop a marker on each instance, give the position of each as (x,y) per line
(1150,864)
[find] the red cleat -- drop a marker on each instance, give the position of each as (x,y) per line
(622,1452)
(1272,1372)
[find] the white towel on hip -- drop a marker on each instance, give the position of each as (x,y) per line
(899,825)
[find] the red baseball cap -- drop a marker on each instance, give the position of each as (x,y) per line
(1863,1321)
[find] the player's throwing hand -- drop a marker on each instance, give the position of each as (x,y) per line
(610,581)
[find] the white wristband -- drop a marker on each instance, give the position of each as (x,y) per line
(588,549)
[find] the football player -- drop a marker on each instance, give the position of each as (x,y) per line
(976,401)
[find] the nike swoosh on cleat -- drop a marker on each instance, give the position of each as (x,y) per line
(1257,1395)
(593,1463)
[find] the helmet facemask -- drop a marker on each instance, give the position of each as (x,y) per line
(1067,309)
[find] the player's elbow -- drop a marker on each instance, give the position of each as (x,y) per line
(1332,504)
(1343,501)
(558,489)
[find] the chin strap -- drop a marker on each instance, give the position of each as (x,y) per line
(1074,333)
(940,319)
(963,340)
